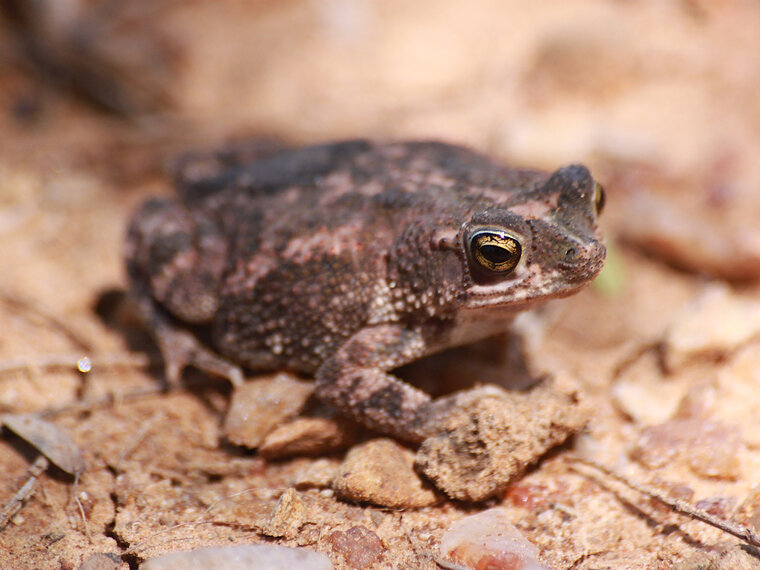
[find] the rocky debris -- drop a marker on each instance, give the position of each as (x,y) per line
(717,323)
(718,506)
(246,557)
(259,406)
(308,436)
(489,540)
(485,445)
(358,546)
(103,561)
(287,516)
(748,511)
(644,395)
(682,231)
(733,397)
(318,474)
(720,557)
(381,472)
(710,449)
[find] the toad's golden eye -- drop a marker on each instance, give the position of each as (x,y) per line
(495,251)
(599,198)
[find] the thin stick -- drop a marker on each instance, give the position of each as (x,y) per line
(22,305)
(105,402)
(15,503)
(81,509)
(677,505)
(73,361)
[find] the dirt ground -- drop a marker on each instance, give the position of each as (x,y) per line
(657,97)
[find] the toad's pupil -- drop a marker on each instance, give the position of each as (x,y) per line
(599,198)
(496,253)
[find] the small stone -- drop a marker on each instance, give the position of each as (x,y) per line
(724,556)
(748,512)
(103,561)
(287,516)
(247,557)
(308,436)
(259,406)
(489,540)
(359,546)
(671,224)
(721,507)
(642,394)
(528,496)
(734,398)
(717,323)
(487,444)
(318,474)
(380,472)
(710,449)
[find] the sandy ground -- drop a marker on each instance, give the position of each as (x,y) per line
(658,97)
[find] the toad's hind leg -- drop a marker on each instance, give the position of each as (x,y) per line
(174,262)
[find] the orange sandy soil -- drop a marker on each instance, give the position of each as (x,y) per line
(658,97)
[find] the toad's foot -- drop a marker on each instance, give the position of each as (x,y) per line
(434,417)
(180,349)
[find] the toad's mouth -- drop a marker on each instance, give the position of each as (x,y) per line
(537,284)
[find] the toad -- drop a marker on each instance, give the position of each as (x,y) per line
(347,260)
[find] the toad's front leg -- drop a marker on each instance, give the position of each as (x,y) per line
(356,380)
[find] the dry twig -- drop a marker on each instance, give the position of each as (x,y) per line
(15,503)
(676,505)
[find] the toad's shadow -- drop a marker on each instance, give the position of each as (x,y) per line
(496,360)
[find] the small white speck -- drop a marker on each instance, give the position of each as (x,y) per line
(84,365)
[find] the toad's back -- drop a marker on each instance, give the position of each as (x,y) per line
(298,193)
(310,233)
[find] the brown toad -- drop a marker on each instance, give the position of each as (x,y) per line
(348,260)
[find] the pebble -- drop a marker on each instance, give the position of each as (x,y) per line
(359,546)
(748,511)
(287,517)
(717,323)
(642,393)
(259,406)
(489,443)
(317,474)
(720,507)
(103,561)
(381,472)
(688,233)
(308,436)
(710,449)
(246,557)
(488,541)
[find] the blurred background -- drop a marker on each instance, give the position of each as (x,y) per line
(658,97)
